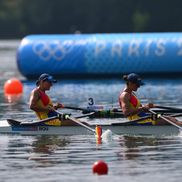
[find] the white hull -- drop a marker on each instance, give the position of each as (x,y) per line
(5,128)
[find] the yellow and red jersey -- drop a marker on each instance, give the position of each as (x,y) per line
(135,103)
(46,101)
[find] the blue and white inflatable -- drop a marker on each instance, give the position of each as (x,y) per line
(100,54)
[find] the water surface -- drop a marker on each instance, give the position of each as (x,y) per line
(63,158)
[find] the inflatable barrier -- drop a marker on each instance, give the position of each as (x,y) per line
(100,54)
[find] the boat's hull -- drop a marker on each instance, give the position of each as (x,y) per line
(6,128)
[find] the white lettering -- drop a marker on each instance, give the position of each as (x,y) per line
(147,48)
(133,48)
(160,48)
(117,48)
(100,45)
(179,42)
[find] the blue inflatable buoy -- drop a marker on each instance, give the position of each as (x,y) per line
(100,54)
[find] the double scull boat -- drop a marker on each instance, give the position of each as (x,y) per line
(11,126)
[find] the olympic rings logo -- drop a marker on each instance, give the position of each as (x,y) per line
(46,50)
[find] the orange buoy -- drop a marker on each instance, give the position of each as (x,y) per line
(13,87)
(100,168)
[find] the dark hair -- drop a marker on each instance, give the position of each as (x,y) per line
(45,77)
(125,78)
(134,78)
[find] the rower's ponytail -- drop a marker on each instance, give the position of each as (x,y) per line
(125,78)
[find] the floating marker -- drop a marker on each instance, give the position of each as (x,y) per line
(13,87)
(100,168)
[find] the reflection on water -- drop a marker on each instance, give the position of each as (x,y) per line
(13,98)
(45,147)
(142,157)
(48,144)
(72,157)
(136,147)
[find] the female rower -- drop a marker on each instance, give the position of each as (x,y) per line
(131,106)
(40,101)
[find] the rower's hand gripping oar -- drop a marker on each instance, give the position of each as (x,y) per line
(156,116)
(97,131)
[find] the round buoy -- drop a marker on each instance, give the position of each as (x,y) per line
(100,167)
(13,86)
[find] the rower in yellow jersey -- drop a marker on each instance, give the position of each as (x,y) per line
(131,106)
(41,103)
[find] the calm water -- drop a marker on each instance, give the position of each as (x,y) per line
(63,158)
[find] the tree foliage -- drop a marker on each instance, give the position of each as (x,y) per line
(21,17)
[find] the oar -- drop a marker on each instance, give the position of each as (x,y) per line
(117,112)
(176,115)
(107,114)
(51,118)
(169,108)
(98,113)
(84,125)
(85,115)
(76,121)
(161,109)
(22,123)
(75,108)
(166,119)
(92,109)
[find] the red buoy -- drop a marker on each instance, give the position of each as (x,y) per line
(100,168)
(13,87)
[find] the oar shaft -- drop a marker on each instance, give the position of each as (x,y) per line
(167,120)
(170,108)
(85,115)
(171,122)
(77,121)
(80,123)
(117,112)
(176,115)
(74,108)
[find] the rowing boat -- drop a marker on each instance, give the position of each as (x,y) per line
(12,127)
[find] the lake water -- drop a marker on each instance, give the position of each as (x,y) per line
(70,158)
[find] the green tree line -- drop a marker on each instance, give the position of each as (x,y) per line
(19,18)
